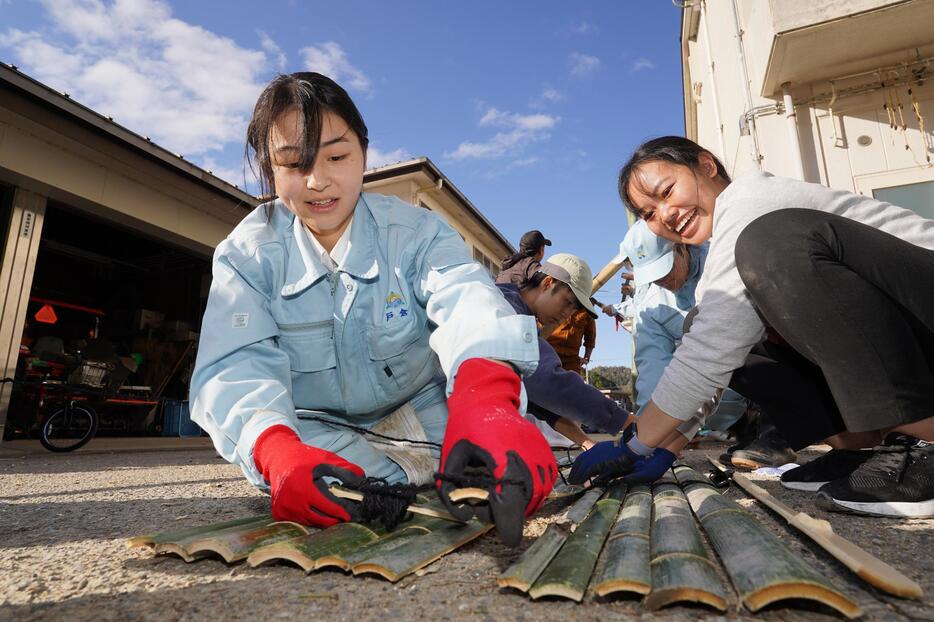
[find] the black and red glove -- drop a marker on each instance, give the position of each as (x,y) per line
(295,473)
(485,430)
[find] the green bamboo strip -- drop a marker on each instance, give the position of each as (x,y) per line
(399,562)
(560,491)
(525,570)
(680,567)
(172,536)
(237,543)
(306,550)
(626,554)
(569,572)
(761,567)
(403,535)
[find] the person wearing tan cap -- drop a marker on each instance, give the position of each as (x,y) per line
(561,287)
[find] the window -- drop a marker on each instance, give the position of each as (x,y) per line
(917,197)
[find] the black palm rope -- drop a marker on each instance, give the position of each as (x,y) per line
(384,502)
(361,430)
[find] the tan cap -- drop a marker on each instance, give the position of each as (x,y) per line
(573,271)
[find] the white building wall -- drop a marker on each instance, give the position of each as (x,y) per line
(856,152)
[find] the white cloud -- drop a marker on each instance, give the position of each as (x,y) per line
(518,131)
(231,175)
(275,52)
(330,59)
(584,28)
(548,96)
(187,88)
(376,158)
(583,65)
(641,63)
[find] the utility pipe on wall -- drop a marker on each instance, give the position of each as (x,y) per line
(756,154)
(792,121)
(713,84)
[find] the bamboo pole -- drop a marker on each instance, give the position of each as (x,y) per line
(626,554)
(681,569)
(305,551)
(761,567)
(526,570)
(400,561)
(867,567)
(568,574)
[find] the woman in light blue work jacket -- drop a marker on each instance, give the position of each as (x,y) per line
(345,304)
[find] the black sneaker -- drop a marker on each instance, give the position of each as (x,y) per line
(834,464)
(769,450)
(895,481)
(746,430)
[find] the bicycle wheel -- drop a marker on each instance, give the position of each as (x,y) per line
(69,428)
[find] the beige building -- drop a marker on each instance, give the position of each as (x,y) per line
(831,91)
(106,234)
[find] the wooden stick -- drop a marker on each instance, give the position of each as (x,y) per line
(866,566)
(353,495)
(607,272)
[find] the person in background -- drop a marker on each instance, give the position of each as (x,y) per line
(560,288)
(334,311)
(520,267)
(664,278)
(566,339)
(843,281)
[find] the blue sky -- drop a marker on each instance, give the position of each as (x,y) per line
(528,107)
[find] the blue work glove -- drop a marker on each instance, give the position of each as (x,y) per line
(647,470)
(605,460)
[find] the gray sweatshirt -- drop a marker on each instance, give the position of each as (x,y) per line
(727,325)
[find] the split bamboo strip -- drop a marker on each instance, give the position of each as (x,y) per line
(569,572)
(305,551)
(869,568)
(526,570)
(393,564)
(681,569)
(626,554)
(237,543)
(402,536)
(761,567)
(172,536)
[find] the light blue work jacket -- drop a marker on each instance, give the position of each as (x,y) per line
(282,332)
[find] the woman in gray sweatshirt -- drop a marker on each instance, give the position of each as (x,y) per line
(843,283)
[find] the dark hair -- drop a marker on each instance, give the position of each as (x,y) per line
(533,281)
(311,94)
(673,149)
(515,258)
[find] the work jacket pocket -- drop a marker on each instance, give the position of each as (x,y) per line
(398,354)
(310,346)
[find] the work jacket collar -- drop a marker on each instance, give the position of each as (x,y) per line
(306,269)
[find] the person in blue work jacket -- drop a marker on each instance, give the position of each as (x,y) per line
(560,287)
(332,310)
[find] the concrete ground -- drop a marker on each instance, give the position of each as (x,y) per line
(64,521)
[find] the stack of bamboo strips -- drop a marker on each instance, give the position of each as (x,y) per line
(626,555)
(761,567)
(349,546)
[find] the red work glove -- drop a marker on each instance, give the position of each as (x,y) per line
(485,429)
(295,473)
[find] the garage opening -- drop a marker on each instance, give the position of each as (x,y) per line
(113,320)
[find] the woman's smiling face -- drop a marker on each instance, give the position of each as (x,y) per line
(677,202)
(323,196)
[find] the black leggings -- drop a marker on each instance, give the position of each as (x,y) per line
(856,308)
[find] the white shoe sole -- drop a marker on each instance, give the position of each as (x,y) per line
(895,509)
(805,486)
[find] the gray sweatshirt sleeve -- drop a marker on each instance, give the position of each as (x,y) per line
(727,325)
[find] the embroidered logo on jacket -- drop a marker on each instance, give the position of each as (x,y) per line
(395,306)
